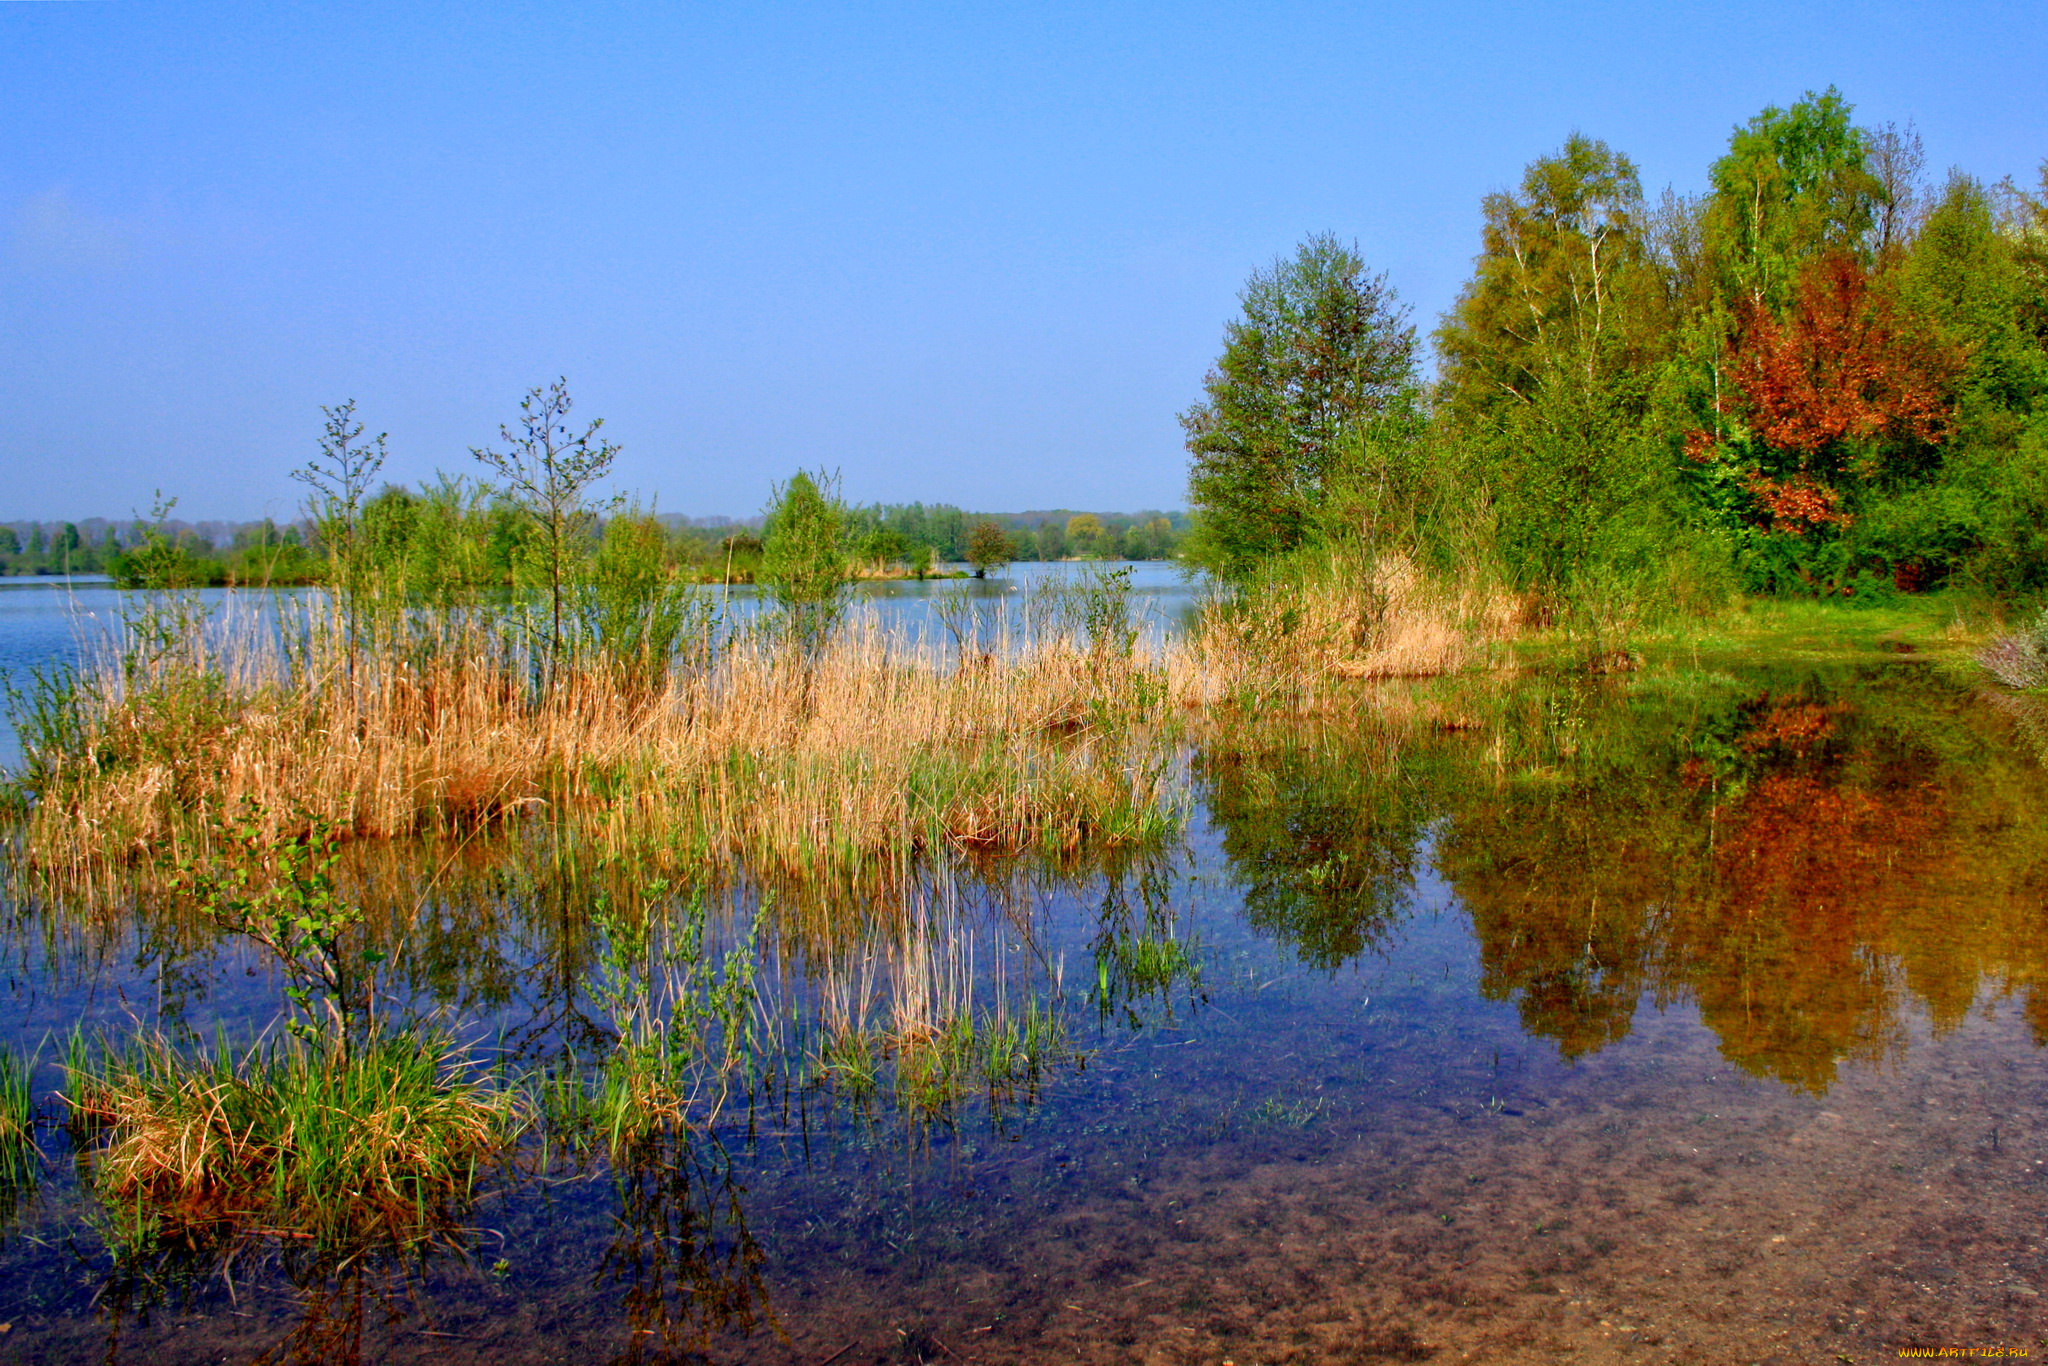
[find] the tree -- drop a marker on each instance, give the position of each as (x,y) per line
(157,559)
(1085,532)
(988,547)
(10,544)
(2023,222)
(1564,270)
(803,555)
(884,546)
(1319,344)
(339,480)
(1843,375)
(547,469)
(1964,275)
(1792,186)
(1894,158)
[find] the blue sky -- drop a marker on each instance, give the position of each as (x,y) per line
(968,253)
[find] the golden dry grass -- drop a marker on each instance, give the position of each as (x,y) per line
(870,754)
(1352,619)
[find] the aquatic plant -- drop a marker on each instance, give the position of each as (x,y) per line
(286,1133)
(683,1024)
(1289,643)
(854,758)
(21,1161)
(279,894)
(1131,966)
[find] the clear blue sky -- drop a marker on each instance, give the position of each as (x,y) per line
(969,253)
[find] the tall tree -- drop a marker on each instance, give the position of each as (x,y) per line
(804,555)
(339,480)
(1845,374)
(1965,276)
(1793,185)
(1319,344)
(988,548)
(1563,270)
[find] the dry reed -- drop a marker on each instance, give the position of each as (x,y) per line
(857,759)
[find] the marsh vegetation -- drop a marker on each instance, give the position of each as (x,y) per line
(520,942)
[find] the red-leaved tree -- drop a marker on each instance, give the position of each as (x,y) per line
(1844,370)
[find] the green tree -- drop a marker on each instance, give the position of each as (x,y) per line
(158,560)
(803,555)
(1564,269)
(1320,343)
(1793,185)
(1963,273)
(2023,220)
(339,480)
(1974,502)
(988,547)
(547,470)
(883,545)
(1051,539)
(10,544)
(641,612)
(1084,533)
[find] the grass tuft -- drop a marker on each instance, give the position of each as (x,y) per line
(286,1133)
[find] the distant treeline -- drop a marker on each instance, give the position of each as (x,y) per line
(881,539)
(1826,375)
(217,552)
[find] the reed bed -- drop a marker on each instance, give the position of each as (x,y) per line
(871,775)
(1042,730)
(866,752)
(1302,644)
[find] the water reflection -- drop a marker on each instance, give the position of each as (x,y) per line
(687,1269)
(1797,855)
(1006,1068)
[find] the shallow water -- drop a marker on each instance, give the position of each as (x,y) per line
(1689,1016)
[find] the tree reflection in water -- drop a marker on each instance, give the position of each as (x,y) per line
(1797,855)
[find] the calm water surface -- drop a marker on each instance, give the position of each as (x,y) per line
(1689,1016)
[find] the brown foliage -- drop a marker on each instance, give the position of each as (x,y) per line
(1798,504)
(1845,366)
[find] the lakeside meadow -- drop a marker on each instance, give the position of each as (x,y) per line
(1554,868)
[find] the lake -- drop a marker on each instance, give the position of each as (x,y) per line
(1693,1014)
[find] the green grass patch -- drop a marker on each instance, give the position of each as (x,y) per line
(388,1138)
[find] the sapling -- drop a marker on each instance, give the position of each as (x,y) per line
(280,894)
